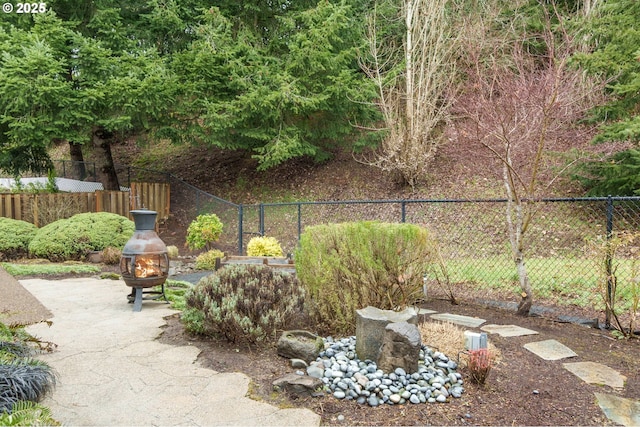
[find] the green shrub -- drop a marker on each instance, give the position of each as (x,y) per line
(207,260)
(349,266)
(244,303)
(264,246)
(15,236)
(75,237)
(203,231)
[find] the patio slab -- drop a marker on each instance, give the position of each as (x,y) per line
(550,350)
(596,373)
(620,410)
(508,330)
(471,322)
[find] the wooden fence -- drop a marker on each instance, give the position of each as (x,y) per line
(42,209)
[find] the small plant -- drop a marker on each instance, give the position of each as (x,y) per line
(175,291)
(203,231)
(264,246)
(480,363)
(621,296)
(207,260)
(173,252)
(22,378)
(244,303)
(111,255)
(27,413)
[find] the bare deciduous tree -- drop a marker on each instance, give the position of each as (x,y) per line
(521,111)
(414,79)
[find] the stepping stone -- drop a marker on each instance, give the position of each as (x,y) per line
(471,322)
(596,373)
(550,350)
(620,410)
(508,330)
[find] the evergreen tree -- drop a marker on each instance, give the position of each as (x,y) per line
(60,84)
(613,32)
(286,90)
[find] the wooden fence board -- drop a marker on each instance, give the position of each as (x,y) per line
(154,196)
(42,208)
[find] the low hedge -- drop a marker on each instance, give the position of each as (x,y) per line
(15,236)
(73,238)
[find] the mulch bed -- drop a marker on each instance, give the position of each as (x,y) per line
(522,389)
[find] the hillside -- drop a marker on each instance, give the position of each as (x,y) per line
(457,172)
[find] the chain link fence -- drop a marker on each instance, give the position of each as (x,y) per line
(578,251)
(567,246)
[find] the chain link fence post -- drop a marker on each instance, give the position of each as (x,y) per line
(261,219)
(608,263)
(240,231)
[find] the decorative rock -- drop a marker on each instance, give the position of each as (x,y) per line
(370,328)
(373,400)
(400,348)
(315,371)
(298,363)
(297,385)
(364,382)
(300,345)
(339,394)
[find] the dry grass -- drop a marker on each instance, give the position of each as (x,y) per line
(449,339)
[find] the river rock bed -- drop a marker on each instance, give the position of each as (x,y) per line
(347,377)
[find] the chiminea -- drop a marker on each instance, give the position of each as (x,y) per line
(144,262)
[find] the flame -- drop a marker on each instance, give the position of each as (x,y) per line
(145,267)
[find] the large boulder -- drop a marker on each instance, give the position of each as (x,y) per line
(370,329)
(400,347)
(300,345)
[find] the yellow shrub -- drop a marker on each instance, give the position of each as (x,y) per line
(173,252)
(264,246)
(207,260)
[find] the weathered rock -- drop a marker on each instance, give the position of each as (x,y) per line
(370,326)
(300,345)
(298,363)
(298,385)
(400,348)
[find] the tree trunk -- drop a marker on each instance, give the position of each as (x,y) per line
(527,297)
(77,161)
(516,224)
(101,140)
